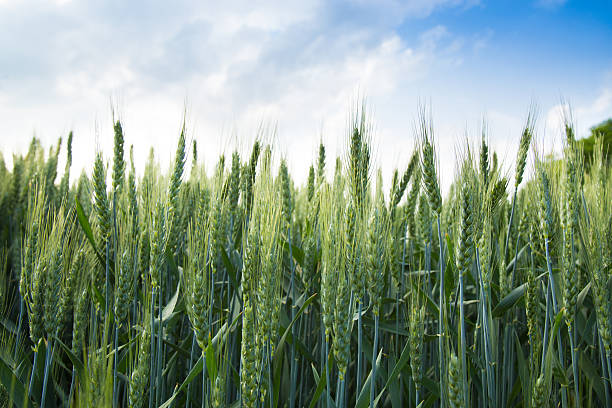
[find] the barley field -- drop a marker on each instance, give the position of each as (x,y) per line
(241,288)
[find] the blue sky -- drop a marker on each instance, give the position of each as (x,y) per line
(299,66)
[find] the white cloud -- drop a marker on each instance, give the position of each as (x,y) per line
(297,65)
(584,116)
(290,64)
(482,40)
(601,105)
(432,37)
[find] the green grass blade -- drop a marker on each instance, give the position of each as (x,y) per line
(321,383)
(84,223)
(11,382)
(364,395)
(195,371)
(509,301)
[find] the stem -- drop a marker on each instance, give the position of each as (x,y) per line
(152,368)
(402,286)
(487,346)
(293,328)
(106,293)
(550,276)
(135,272)
(340,398)
(107,297)
(609,370)
(270,385)
(428,291)
(397,313)
(343,393)
(159,347)
(322,348)
(428,264)
(507,336)
(478,341)
(603,368)
(32,375)
(359,339)
(228,357)
(204,381)
(48,361)
(571,334)
(115,366)
(486,331)
(303,330)
(338,392)
(193,342)
(327,371)
(375,346)
(71,386)
(516,251)
(463,341)
(546,325)
(441,316)
(503,370)
(507,369)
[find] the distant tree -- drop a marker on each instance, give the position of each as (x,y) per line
(604,129)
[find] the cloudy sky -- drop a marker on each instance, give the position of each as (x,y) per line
(299,67)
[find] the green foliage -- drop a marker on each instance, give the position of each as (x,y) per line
(242,288)
(587,145)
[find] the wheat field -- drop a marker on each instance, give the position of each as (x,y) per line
(240,288)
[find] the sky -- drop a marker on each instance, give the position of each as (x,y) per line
(294,71)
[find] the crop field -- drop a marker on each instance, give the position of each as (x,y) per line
(239,287)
